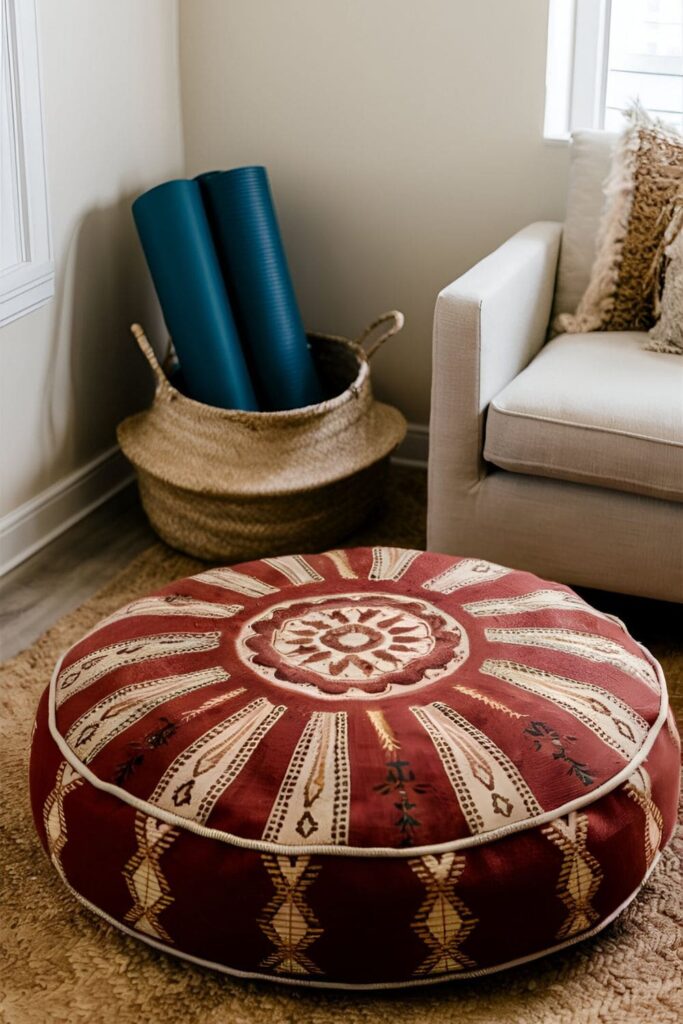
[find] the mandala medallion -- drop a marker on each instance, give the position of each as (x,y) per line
(353,645)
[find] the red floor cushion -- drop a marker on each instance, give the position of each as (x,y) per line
(371,767)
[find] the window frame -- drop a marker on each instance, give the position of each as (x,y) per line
(29,283)
(578,67)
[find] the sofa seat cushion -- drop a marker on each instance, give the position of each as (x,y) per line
(594,408)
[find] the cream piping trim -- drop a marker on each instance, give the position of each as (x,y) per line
(585,426)
(411,983)
(362,851)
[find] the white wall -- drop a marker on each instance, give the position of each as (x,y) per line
(403,140)
(68,372)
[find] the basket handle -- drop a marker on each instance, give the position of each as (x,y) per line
(395,321)
(163,388)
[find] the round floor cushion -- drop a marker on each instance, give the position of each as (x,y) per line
(370,767)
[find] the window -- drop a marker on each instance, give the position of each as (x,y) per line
(603,54)
(26,270)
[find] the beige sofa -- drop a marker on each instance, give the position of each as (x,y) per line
(564,457)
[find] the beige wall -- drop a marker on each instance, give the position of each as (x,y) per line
(403,140)
(68,372)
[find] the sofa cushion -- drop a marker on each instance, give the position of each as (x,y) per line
(594,408)
(646,174)
(590,156)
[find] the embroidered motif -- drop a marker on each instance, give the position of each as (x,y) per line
(288,920)
(543,734)
(123,708)
(192,784)
(391,563)
(443,921)
(231,579)
(489,701)
(489,788)
(639,788)
(295,567)
(162,733)
(146,881)
(590,646)
(606,715)
(53,813)
(384,731)
(170,605)
(312,805)
(467,573)
(341,561)
(92,667)
(399,779)
(580,874)
(537,600)
(355,645)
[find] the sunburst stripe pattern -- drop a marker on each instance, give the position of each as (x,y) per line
(194,781)
(606,715)
(91,667)
(123,708)
(590,646)
(312,805)
(488,786)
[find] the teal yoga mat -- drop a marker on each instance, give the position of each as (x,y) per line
(244,224)
(178,245)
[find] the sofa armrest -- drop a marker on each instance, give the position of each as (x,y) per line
(488,325)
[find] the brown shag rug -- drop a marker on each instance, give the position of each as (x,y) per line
(60,964)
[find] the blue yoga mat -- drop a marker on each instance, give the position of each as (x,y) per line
(177,242)
(244,225)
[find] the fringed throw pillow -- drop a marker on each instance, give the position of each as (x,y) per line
(667,334)
(647,170)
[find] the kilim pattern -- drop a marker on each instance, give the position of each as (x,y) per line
(198,776)
(443,922)
(605,714)
(288,920)
(123,708)
(391,563)
(537,600)
(580,875)
(340,559)
(296,569)
(94,666)
(488,786)
(145,879)
(312,804)
(169,606)
(590,646)
(53,813)
(239,582)
(467,573)
(639,788)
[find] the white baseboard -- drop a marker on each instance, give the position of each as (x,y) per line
(414,449)
(35,523)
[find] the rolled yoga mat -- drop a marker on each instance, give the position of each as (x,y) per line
(177,242)
(244,224)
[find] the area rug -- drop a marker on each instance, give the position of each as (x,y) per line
(58,963)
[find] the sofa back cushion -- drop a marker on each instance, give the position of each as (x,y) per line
(590,156)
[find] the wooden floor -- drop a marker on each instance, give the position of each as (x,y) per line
(70,569)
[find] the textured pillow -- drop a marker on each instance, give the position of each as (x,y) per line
(646,173)
(363,768)
(667,334)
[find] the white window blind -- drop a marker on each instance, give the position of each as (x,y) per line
(26,270)
(604,54)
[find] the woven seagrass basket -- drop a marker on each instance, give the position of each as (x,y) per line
(223,484)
